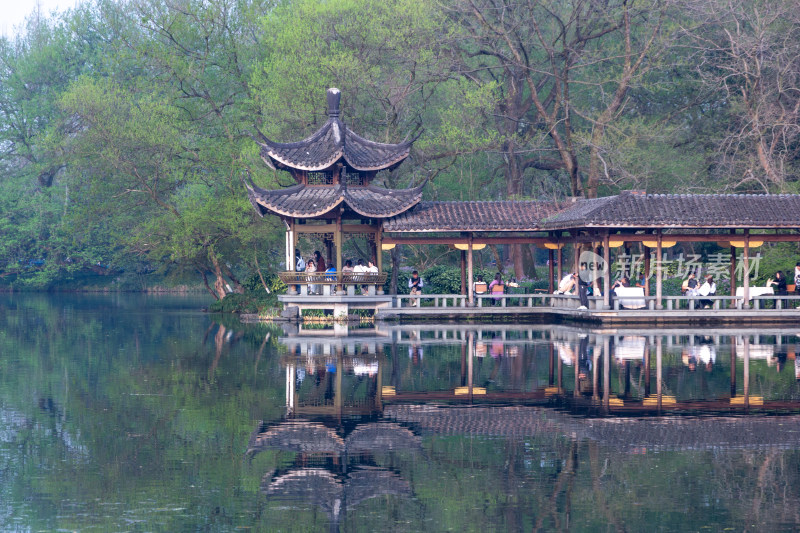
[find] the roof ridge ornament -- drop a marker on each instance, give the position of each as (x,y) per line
(334,96)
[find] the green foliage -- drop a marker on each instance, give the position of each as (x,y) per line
(254,301)
(125,129)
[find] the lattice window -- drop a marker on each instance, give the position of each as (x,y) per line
(356,178)
(320,178)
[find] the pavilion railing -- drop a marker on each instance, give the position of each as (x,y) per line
(326,283)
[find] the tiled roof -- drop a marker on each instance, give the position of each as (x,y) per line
(618,433)
(313,201)
(680,211)
(317,486)
(332,142)
(312,437)
(472,216)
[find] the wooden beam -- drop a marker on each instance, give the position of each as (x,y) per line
(464,240)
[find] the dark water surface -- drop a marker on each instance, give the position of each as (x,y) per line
(135,413)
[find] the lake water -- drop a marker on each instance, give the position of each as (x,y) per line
(137,413)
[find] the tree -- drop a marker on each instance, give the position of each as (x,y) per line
(749,54)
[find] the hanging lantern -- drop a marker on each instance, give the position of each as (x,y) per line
(751,244)
(664,244)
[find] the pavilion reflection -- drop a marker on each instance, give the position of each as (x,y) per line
(335,466)
(599,370)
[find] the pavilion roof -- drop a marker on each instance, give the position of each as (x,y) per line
(333,142)
(304,201)
(707,211)
(472,216)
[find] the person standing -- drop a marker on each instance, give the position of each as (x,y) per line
(320,261)
(311,269)
(583,287)
(797,279)
(299,266)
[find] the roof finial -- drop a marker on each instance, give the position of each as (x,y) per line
(333,101)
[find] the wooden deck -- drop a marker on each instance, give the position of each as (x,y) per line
(552,308)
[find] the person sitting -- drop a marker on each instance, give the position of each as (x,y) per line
(622,282)
(709,288)
(346,269)
(689,286)
(415,285)
(479,287)
(496,287)
(779,284)
(567,284)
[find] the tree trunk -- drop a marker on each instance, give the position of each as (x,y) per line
(219,282)
(205,281)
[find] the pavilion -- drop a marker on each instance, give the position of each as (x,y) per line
(334,198)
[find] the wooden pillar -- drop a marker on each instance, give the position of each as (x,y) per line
(606,371)
(576,260)
(746,378)
(379,247)
(291,264)
(338,399)
(646,369)
(607,276)
(659,272)
(550,259)
(733,268)
(659,372)
(470,287)
(733,275)
(471,345)
(746,268)
(646,270)
(733,365)
(576,382)
(463,272)
(329,251)
(338,240)
(559,262)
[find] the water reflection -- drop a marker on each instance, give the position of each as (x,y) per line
(586,371)
(122,415)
